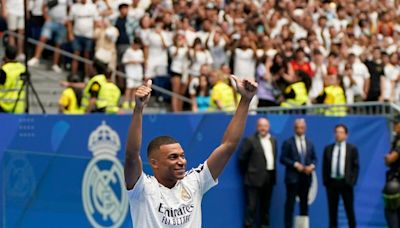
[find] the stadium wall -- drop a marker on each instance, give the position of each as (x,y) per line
(66,171)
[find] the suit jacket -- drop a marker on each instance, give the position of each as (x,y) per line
(290,155)
(253,163)
(351,164)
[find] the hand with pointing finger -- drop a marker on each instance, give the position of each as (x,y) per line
(142,94)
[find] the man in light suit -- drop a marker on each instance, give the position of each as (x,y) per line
(340,172)
(298,155)
(257,161)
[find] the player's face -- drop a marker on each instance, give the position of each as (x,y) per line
(340,134)
(172,161)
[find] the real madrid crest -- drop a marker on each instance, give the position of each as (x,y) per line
(185,195)
(103,190)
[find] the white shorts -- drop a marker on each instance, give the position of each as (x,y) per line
(133,83)
(154,69)
(15,22)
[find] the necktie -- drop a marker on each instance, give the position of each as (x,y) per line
(302,152)
(338,174)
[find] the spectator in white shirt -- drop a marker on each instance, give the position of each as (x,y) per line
(188,30)
(133,60)
(245,59)
(198,56)
(179,69)
(216,43)
(82,18)
(13,12)
(349,83)
(205,31)
(361,77)
(320,69)
(156,50)
(54,28)
(388,81)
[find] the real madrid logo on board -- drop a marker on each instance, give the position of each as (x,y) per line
(19,176)
(103,191)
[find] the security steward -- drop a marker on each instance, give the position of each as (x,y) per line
(100,95)
(296,93)
(11,83)
(333,94)
(70,100)
(112,94)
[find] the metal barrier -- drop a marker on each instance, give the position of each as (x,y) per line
(88,61)
(389,110)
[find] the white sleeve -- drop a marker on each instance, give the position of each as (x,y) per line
(145,38)
(167,39)
(204,177)
(193,86)
(126,57)
(171,51)
(141,56)
(96,13)
(366,72)
(209,57)
(138,189)
(71,13)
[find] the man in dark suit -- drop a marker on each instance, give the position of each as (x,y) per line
(257,161)
(298,155)
(340,172)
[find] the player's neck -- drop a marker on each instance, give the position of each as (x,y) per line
(166,182)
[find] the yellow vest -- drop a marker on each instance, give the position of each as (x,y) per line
(101,101)
(9,91)
(224,93)
(301,95)
(112,93)
(335,96)
(69,101)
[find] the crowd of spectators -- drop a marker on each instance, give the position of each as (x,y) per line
(193,45)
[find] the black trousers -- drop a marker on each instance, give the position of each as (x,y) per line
(335,189)
(258,199)
(392,217)
(300,189)
(266,103)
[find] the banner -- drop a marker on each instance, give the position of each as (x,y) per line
(66,171)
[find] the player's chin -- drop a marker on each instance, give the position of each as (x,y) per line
(179,174)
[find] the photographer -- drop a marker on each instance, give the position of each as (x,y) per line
(392,187)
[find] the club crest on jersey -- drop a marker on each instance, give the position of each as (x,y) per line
(185,195)
(103,191)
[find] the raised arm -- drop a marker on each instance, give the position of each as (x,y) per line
(133,162)
(220,156)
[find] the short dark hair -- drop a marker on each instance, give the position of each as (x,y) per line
(100,66)
(346,130)
(11,52)
(159,141)
(138,41)
(298,50)
(122,5)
